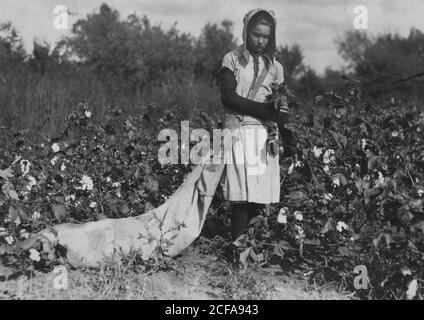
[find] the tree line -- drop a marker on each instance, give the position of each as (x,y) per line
(127,61)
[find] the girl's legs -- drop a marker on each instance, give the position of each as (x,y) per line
(239,218)
(241,214)
(254,210)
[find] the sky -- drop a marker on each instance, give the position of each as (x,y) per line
(313,24)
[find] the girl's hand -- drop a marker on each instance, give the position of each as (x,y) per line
(282,108)
(281,105)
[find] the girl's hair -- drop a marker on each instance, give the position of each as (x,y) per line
(261,18)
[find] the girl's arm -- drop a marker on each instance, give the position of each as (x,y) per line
(231,100)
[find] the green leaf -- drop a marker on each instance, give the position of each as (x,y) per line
(295,198)
(124,209)
(6,173)
(340,139)
(12,194)
(330,225)
(59,211)
(244,256)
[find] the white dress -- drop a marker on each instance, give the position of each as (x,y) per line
(251,173)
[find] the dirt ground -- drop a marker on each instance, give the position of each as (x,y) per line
(192,275)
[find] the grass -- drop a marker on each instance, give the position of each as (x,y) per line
(41,102)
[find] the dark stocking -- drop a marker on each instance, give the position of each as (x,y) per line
(239,217)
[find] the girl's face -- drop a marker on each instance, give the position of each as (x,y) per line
(258,37)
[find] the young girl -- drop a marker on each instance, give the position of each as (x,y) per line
(251,179)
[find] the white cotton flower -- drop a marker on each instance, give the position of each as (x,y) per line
(420,192)
(298,215)
(363,143)
(88,114)
(317,151)
(118,194)
(36,215)
(329,156)
(412,289)
(70,197)
(341,226)
(290,169)
(86,183)
(42,145)
(32,182)
(284,210)
(63,166)
(24,234)
(34,255)
(282,218)
(116,184)
(326,168)
(300,233)
(17,221)
(406,271)
(9,240)
(298,164)
(55,147)
(25,164)
(380,179)
(395,134)
(108,180)
(93,204)
(336,181)
(54,160)
(328,196)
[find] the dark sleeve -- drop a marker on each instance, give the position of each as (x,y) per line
(289,141)
(231,100)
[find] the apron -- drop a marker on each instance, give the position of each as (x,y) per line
(251,173)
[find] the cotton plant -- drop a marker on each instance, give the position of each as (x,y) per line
(93,204)
(329,156)
(34,255)
(24,234)
(296,164)
(54,160)
(32,182)
(380,180)
(282,216)
(342,226)
(9,239)
(88,114)
(70,197)
(336,181)
(328,196)
(36,215)
(298,215)
(55,147)
(86,183)
(317,151)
